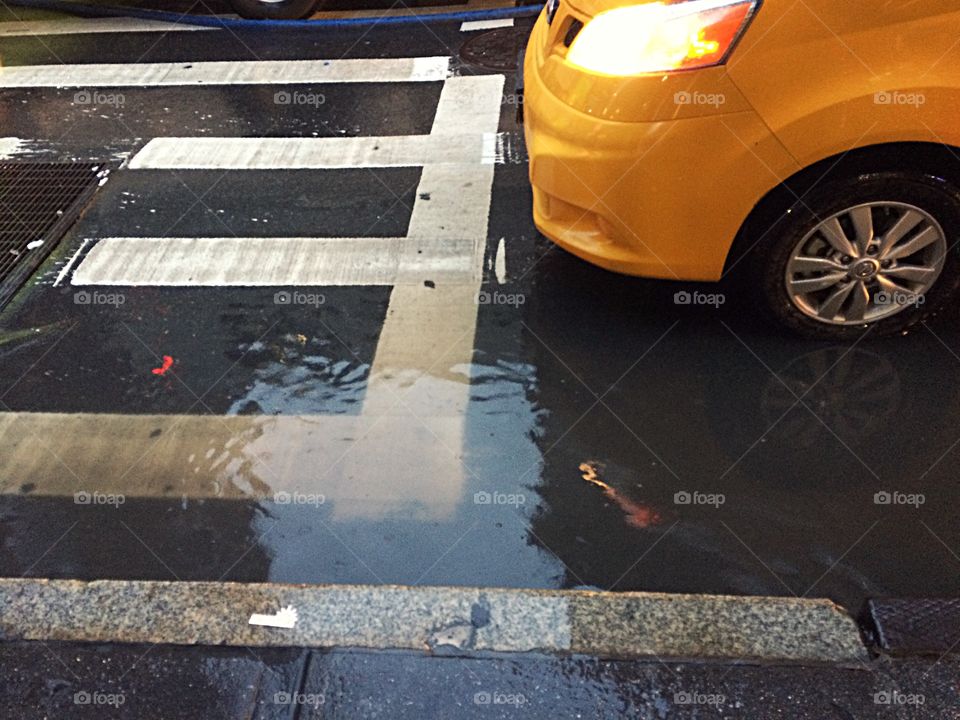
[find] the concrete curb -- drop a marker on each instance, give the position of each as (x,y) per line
(442,619)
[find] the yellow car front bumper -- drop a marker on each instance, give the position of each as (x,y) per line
(663,198)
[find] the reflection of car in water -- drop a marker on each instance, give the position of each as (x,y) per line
(673,139)
(275,9)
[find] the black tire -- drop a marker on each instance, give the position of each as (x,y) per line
(282,10)
(769,257)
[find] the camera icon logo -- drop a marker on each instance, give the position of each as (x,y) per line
(282,298)
(682,498)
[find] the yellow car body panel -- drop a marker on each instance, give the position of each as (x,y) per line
(654,175)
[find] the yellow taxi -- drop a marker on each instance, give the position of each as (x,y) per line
(813,147)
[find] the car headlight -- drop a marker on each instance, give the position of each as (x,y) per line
(661,36)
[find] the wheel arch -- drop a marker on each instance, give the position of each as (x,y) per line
(936,159)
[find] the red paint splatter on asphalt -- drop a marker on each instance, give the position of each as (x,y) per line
(167,364)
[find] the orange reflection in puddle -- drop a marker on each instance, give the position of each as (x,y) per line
(638,515)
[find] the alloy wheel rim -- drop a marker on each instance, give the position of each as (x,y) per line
(866,263)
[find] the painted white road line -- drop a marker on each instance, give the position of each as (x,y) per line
(473,25)
(461,134)
(215,262)
(469,105)
(500,262)
(274,261)
(9,146)
(91,25)
(253,72)
(426,343)
(237,457)
(197,153)
(68,266)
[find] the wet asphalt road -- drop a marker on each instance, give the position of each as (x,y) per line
(597,404)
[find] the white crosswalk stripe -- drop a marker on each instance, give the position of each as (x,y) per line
(277,261)
(9,146)
(203,153)
(247,72)
(474,25)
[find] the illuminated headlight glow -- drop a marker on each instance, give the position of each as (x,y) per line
(660,37)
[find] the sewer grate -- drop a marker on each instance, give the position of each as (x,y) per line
(39,201)
(915,626)
(494,50)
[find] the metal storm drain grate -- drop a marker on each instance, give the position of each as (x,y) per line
(495,50)
(38,203)
(906,626)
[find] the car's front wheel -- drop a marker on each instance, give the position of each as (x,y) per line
(274,9)
(873,251)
